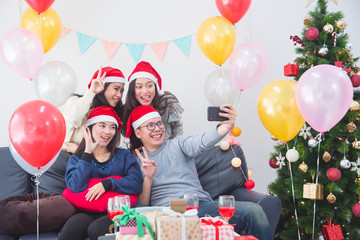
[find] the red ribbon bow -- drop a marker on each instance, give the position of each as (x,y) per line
(216,224)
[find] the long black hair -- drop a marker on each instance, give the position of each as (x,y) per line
(111,147)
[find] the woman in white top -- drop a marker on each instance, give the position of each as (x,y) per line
(105,89)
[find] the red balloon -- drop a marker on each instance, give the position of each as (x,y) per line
(40,5)
(37,132)
(249,184)
(233,10)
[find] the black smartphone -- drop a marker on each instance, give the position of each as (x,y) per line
(213,114)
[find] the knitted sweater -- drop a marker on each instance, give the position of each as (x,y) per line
(80,169)
(76,112)
(176,172)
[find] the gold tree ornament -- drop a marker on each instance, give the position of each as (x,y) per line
(331,197)
(326,156)
(307,21)
(356,144)
(351,127)
(355,106)
(328,28)
(303,167)
(356,69)
(340,24)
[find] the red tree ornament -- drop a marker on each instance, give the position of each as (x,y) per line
(272,163)
(333,174)
(356,209)
(291,70)
(312,33)
(355,80)
(249,184)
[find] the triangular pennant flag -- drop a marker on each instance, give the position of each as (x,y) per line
(110,48)
(84,41)
(184,44)
(159,49)
(135,50)
(64,31)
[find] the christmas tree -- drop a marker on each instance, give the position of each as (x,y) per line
(334,158)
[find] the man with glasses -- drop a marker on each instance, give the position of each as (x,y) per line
(169,168)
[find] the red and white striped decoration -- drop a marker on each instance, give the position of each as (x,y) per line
(334,34)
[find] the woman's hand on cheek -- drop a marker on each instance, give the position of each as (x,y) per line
(90,145)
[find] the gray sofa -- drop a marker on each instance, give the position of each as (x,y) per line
(216,174)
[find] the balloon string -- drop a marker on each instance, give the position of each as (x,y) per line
(36,181)
(238,95)
(318,138)
(293,195)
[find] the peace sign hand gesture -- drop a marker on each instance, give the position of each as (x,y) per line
(148,166)
(90,145)
(97,84)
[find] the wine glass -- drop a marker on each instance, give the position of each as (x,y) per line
(114,209)
(226,206)
(192,201)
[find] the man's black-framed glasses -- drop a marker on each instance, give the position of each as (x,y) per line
(151,126)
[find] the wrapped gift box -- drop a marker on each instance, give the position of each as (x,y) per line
(132,237)
(130,228)
(170,227)
(291,70)
(313,191)
(332,232)
(151,218)
(216,229)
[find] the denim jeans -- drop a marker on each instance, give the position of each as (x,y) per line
(248,217)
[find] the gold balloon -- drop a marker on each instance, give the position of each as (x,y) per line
(278,111)
(216,39)
(47,26)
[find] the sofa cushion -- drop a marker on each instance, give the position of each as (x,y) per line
(99,205)
(19,214)
(14,180)
(53,180)
(217,175)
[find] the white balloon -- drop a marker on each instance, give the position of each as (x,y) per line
(26,166)
(55,82)
(220,89)
(292,155)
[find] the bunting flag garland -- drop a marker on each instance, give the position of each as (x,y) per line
(135,50)
(159,49)
(110,47)
(184,44)
(84,41)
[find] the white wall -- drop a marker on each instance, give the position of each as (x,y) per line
(269,23)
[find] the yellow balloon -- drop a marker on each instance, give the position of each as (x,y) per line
(216,39)
(278,111)
(46,25)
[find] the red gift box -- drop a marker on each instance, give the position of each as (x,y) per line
(332,232)
(291,70)
(216,229)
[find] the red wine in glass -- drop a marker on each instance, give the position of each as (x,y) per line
(192,201)
(226,206)
(114,213)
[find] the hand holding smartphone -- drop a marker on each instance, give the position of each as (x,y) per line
(213,114)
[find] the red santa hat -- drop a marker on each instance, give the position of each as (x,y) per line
(137,117)
(145,70)
(112,75)
(103,114)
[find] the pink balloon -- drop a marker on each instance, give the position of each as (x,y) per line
(323,95)
(22,51)
(248,64)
